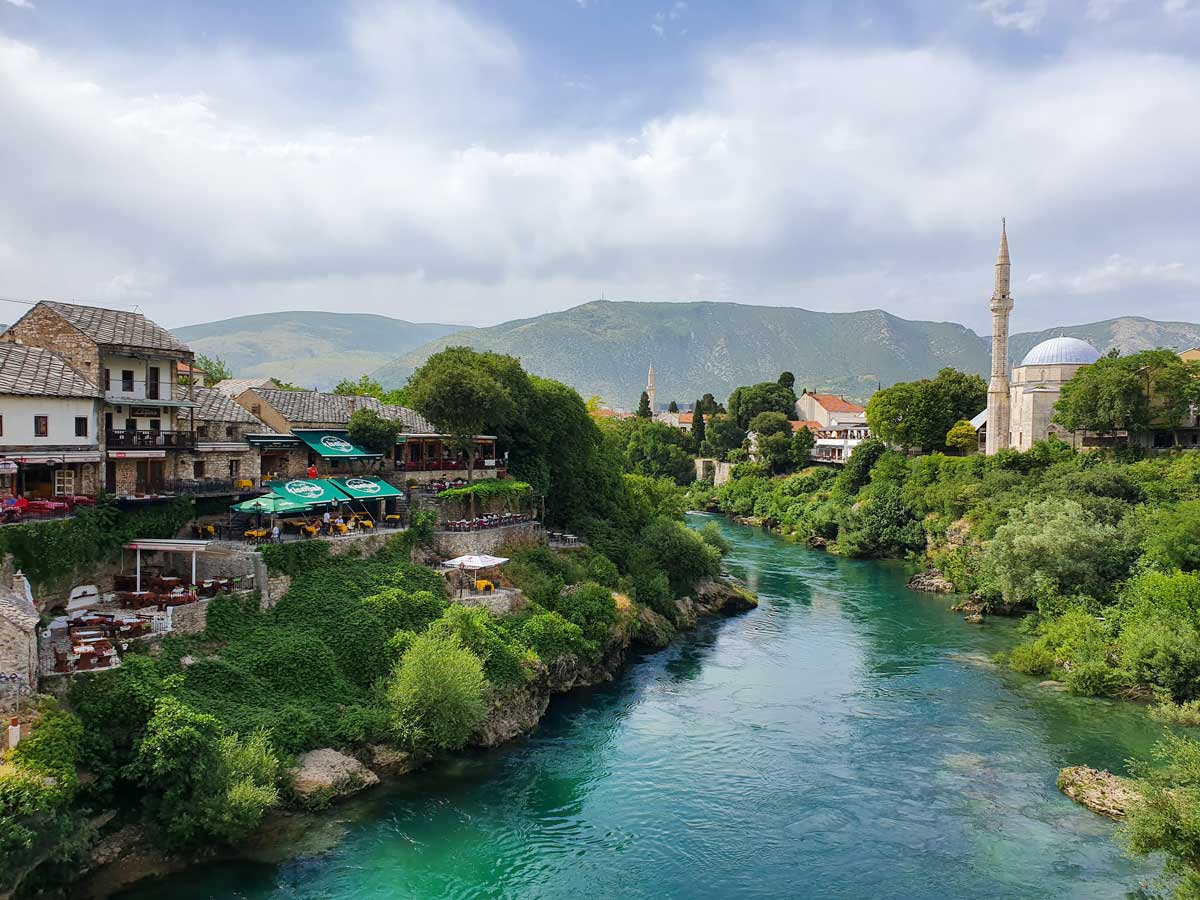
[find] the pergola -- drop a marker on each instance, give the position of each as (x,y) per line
(166,546)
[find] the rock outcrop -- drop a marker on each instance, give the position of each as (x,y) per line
(325,775)
(1099,790)
(932,581)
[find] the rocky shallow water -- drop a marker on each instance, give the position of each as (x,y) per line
(849,738)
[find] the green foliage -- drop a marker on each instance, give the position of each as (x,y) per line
(768,396)
(366,386)
(296,557)
(962,437)
(214,368)
(673,549)
(800,450)
(550,636)
(1167,817)
(489,489)
(478,630)
(723,435)
(921,414)
(60,553)
(1186,715)
(437,694)
(787,380)
(588,605)
(1173,536)
(400,610)
(699,429)
(1164,655)
(712,535)
(644,411)
(655,449)
(1129,393)
(201,784)
(1031,659)
(372,431)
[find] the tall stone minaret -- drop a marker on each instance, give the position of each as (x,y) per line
(650,390)
(998,395)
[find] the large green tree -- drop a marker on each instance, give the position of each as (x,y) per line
(800,451)
(773,438)
(214,368)
(370,430)
(919,414)
(768,396)
(708,404)
(656,449)
(698,428)
(644,411)
(722,435)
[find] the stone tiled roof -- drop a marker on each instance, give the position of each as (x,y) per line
(117,328)
(235,387)
(315,408)
(834,404)
(213,406)
(32,371)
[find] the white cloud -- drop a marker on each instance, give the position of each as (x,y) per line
(800,175)
(21,4)
(1103,10)
(1024,15)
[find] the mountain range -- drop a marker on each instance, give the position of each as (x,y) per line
(604,348)
(314,349)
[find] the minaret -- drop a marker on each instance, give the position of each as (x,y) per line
(650,390)
(998,396)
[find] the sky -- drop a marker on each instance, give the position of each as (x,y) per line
(473,162)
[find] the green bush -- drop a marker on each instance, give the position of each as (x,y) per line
(54,748)
(1162,655)
(477,630)
(296,557)
(1094,678)
(436,696)
(1183,714)
(590,606)
(550,636)
(1031,659)
(398,609)
(1167,817)
(711,534)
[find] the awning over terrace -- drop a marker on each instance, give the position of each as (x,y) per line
(367,488)
(334,445)
(321,492)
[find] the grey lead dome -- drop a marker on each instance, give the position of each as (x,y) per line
(1061,351)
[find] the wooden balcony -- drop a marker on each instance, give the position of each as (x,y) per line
(149,440)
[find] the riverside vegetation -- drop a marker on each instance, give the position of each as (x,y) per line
(1100,551)
(193,740)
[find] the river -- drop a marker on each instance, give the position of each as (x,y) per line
(848,739)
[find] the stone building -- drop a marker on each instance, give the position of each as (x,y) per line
(133,362)
(223,456)
(49,418)
(311,428)
(1020,407)
(18,627)
(837,424)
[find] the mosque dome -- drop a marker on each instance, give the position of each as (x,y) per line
(1061,351)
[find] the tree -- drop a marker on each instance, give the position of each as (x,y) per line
(773,438)
(672,407)
(366,386)
(802,445)
(372,431)
(436,694)
(698,429)
(920,414)
(1166,818)
(644,411)
(723,435)
(708,404)
(214,368)
(657,449)
(768,396)
(459,397)
(962,436)
(788,380)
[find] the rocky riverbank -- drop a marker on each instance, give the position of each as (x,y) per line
(1099,790)
(326,776)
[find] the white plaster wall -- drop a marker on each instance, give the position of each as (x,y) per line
(18,415)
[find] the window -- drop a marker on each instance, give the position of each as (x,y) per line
(201,431)
(131,424)
(108,421)
(107,380)
(64,482)
(156,424)
(256,408)
(1,426)
(81,426)
(230,431)
(235,468)
(152,382)
(198,470)
(41,426)
(127,381)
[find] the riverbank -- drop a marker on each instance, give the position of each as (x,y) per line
(847,739)
(125,857)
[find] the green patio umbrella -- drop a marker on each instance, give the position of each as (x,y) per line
(271,505)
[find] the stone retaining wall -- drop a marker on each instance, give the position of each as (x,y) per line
(450,544)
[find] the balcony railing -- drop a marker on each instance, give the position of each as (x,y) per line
(443,465)
(143,440)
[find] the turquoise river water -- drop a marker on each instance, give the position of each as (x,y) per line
(848,739)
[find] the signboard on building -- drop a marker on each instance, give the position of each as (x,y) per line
(145,412)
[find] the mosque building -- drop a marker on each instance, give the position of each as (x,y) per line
(1020,405)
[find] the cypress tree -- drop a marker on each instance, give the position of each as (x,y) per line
(644,406)
(698,425)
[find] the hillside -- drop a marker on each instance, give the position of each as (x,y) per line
(605,348)
(314,349)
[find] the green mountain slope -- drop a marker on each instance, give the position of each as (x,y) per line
(1129,333)
(314,349)
(605,348)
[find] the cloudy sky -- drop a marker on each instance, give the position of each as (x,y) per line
(476,161)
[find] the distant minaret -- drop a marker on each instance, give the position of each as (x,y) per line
(998,395)
(650,390)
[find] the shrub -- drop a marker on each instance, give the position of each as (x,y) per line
(1093,678)
(398,609)
(55,746)
(1031,659)
(712,535)
(550,636)
(436,694)
(1184,714)
(476,629)
(1167,818)
(590,606)
(296,557)
(1162,655)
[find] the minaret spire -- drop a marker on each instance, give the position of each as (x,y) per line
(999,401)
(650,388)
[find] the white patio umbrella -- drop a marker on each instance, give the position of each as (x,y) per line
(475,562)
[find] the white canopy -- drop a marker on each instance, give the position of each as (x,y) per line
(475,562)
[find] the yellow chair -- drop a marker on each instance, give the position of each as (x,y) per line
(243,484)
(482,584)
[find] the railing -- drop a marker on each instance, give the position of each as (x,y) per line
(443,465)
(134,440)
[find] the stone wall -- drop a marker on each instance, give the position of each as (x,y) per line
(216,463)
(191,618)
(450,544)
(42,327)
(713,470)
